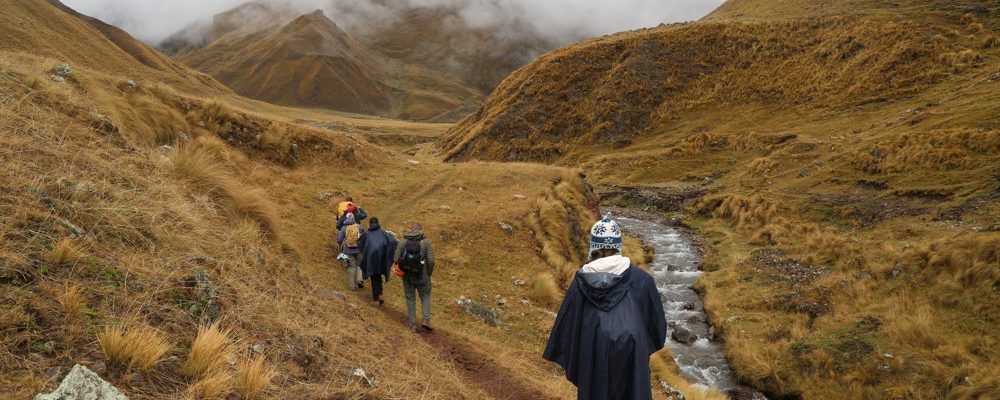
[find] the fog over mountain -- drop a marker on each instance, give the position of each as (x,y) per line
(561,20)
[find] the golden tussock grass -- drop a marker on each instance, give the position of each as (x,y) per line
(748,212)
(66,252)
(72,302)
(758,365)
(973,260)
(561,223)
(215,112)
(208,351)
(133,345)
(215,386)
(202,166)
(544,290)
(253,377)
(991,42)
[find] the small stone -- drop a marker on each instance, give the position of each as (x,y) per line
(131,84)
(887,356)
(365,377)
(257,348)
(325,196)
(745,393)
(683,335)
(182,136)
(331,294)
(500,300)
(260,259)
(671,392)
(525,303)
(445,208)
(413,162)
(520,197)
(54,373)
(62,70)
(507,228)
(75,230)
(99,367)
(860,276)
(519,282)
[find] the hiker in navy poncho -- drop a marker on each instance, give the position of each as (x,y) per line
(378,247)
(609,324)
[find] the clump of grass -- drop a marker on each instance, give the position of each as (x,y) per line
(215,112)
(991,42)
(973,259)
(66,252)
(216,386)
(748,212)
(136,346)
(253,377)
(559,225)
(208,351)
(202,167)
(72,302)
(544,290)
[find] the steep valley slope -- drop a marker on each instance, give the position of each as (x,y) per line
(840,159)
(142,200)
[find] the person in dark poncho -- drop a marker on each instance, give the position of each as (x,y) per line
(378,248)
(609,324)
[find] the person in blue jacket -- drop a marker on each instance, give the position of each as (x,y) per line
(610,322)
(377,249)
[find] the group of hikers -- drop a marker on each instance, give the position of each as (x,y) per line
(376,254)
(609,324)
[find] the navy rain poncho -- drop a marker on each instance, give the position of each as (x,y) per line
(607,328)
(378,247)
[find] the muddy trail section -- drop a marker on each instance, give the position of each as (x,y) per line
(474,366)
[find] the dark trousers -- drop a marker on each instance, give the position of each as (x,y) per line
(377,280)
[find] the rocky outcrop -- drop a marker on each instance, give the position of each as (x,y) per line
(83,384)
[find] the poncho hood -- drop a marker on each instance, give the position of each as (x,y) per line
(604,289)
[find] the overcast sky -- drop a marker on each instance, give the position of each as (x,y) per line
(153,20)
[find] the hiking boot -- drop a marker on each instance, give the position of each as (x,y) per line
(427,327)
(413,327)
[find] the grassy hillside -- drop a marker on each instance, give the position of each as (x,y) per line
(841,162)
(135,212)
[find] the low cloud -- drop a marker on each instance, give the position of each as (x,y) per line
(562,21)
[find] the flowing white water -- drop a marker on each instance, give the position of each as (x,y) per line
(675,269)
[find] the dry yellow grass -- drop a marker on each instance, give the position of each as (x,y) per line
(66,252)
(544,290)
(133,345)
(202,167)
(215,386)
(253,377)
(72,302)
(208,352)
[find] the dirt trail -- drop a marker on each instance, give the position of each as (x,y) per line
(474,366)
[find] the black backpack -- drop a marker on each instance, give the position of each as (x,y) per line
(412,262)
